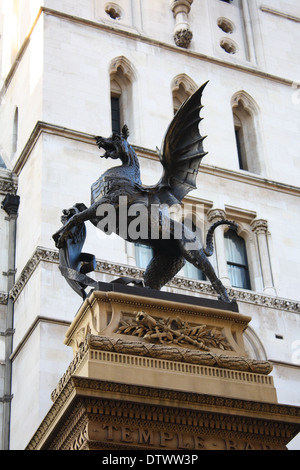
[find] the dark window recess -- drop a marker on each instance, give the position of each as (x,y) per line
(115,115)
(237,260)
(239,148)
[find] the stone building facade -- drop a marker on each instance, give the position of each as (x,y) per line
(64,66)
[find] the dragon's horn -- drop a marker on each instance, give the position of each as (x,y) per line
(125,132)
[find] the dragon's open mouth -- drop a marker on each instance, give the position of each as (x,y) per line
(110,148)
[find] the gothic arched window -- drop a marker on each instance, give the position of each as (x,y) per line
(182,88)
(122,77)
(247,133)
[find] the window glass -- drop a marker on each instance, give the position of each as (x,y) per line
(115,115)
(143,255)
(192,272)
(237,260)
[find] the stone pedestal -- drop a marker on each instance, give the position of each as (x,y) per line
(158,371)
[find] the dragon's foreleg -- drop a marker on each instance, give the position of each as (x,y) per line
(79,218)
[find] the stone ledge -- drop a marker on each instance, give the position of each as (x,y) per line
(115,269)
(95,414)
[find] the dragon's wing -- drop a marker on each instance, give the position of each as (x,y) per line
(182,151)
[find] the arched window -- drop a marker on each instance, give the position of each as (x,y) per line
(247,133)
(122,77)
(182,88)
(237,261)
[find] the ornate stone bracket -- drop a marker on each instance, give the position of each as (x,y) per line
(182,32)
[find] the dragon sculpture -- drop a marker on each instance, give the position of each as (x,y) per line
(180,156)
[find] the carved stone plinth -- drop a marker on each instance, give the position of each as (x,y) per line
(153,370)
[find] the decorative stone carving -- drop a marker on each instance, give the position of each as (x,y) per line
(105,415)
(214,215)
(259,226)
(182,33)
(173,331)
(180,354)
(3,298)
(179,282)
(171,319)
(8,185)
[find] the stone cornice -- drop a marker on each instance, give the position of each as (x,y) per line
(155,42)
(181,283)
(282,14)
(240,176)
(210,412)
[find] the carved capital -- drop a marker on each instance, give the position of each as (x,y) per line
(259,226)
(11,204)
(213,215)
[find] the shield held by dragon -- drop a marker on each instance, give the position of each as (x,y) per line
(180,156)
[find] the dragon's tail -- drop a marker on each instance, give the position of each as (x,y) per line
(209,237)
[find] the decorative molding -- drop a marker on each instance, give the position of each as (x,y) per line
(40,254)
(127,68)
(282,14)
(123,405)
(259,226)
(240,176)
(188,84)
(182,283)
(214,215)
(3,298)
(173,331)
(8,182)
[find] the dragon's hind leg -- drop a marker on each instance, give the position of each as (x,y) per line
(162,268)
(199,259)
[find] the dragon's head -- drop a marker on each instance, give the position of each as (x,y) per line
(115,146)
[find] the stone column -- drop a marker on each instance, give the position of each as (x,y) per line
(213,216)
(260,228)
(182,33)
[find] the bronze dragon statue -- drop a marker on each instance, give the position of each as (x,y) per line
(120,188)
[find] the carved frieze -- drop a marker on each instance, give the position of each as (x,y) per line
(178,282)
(111,415)
(173,331)
(3,298)
(8,185)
